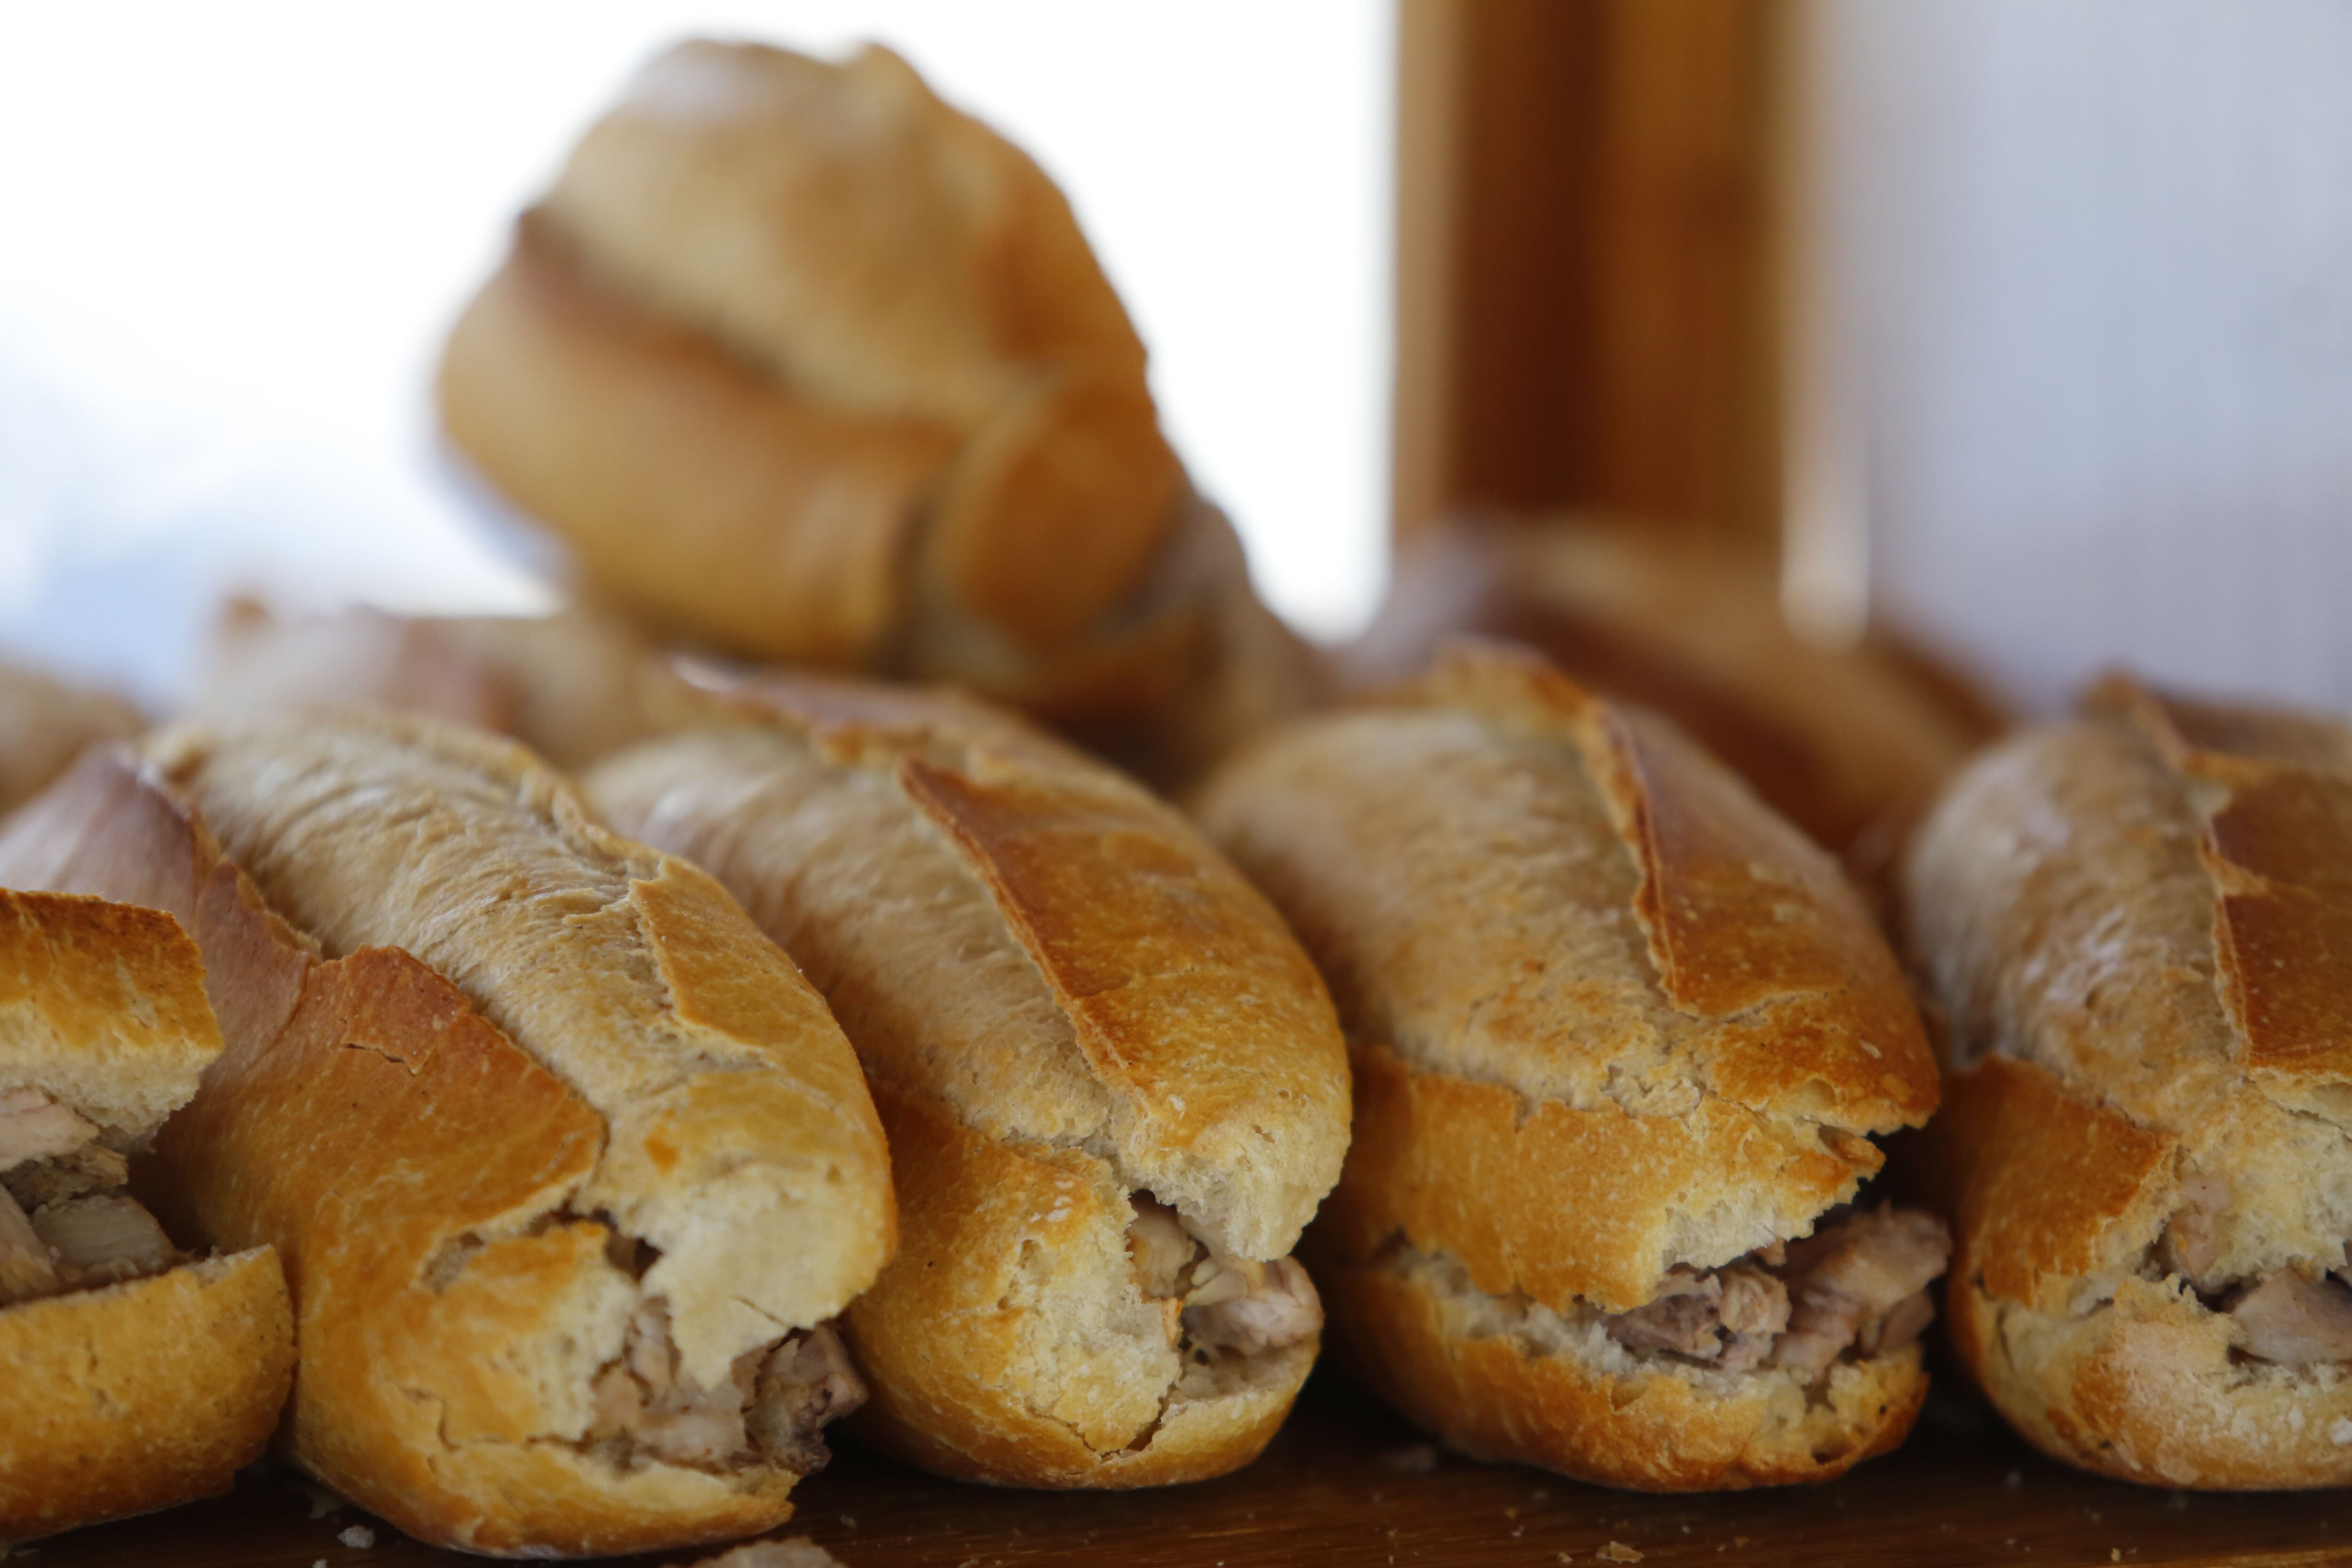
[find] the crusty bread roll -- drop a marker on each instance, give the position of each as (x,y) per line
(2136,929)
(46,723)
(802,364)
(572,687)
(1620,1037)
(1692,626)
(137,1376)
(1114,1086)
(569,1165)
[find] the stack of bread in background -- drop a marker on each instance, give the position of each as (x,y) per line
(635,1040)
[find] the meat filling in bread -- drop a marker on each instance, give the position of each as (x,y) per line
(65,1223)
(776,1402)
(1217,1306)
(1858,1284)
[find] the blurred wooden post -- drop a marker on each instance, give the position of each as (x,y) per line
(1587,272)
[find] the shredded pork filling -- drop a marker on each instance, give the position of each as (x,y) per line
(65,1225)
(1217,1306)
(1857,1284)
(772,1409)
(2290,1317)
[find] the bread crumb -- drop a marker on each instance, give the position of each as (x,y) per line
(359,1538)
(322,1501)
(2114,1554)
(1415,1459)
(799,1551)
(1567,1557)
(1618,1551)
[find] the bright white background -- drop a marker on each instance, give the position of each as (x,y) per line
(231,235)
(2094,267)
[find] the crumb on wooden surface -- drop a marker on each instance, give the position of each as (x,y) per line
(798,1552)
(1412,1459)
(1618,1551)
(358,1537)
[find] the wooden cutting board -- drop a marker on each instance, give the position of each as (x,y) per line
(1348,1483)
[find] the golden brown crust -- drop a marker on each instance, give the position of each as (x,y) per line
(102,1008)
(844,349)
(141,1395)
(1538,1198)
(1062,997)
(1189,1000)
(1727,938)
(424,1179)
(782,522)
(2279,849)
(1501,795)
(1054,511)
(878,252)
(1498,1395)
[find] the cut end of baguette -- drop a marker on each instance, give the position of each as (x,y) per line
(2144,1388)
(141,1395)
(102,1009)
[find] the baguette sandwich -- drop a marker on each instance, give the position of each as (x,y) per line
(1620,1040)
(800,363)
(132,1375)
(569,1166)
(2135,928)
(1113,1085)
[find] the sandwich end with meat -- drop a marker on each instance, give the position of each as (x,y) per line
(139,1375)
(1621,1038)
(2134,925)
(572,1167)
(1112,1085)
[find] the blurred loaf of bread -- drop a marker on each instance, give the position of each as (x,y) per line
(801,364)
(572,687)
(46,723)
(1839,742)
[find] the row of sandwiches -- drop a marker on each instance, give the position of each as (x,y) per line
(581,1147)
(543,1083)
